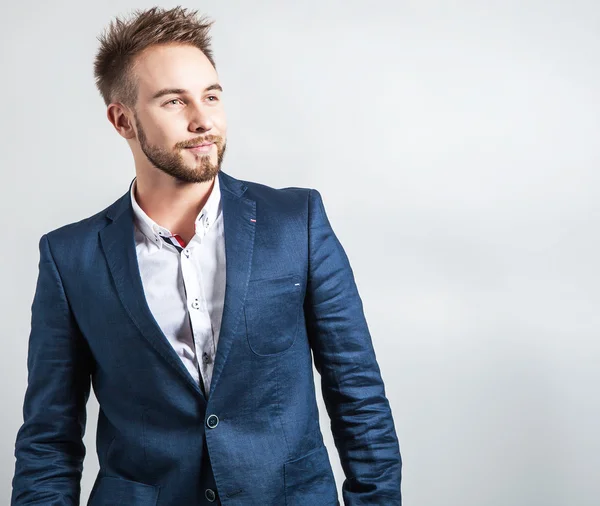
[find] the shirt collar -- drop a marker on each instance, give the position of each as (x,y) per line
(153,231)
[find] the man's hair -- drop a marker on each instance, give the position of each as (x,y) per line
(124,39)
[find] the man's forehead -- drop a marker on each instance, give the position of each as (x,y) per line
(174,66)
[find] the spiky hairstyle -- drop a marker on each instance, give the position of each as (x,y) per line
(124,39)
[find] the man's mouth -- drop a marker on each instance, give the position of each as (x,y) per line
(206,143)
(201,148)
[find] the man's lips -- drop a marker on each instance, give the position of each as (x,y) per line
(200,145)
(201,148)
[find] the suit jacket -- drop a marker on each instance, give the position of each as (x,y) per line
(255,437)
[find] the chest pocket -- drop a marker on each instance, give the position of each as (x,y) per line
(272,312)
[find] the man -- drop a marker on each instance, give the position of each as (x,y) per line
(192,304)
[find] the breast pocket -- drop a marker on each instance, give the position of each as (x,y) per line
(272,311)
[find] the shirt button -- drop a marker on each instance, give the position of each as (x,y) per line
(195,304)
(206,358)
(186,252)
(210,495)
(212,421)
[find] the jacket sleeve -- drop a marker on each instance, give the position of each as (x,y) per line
(49,449)
(353,390)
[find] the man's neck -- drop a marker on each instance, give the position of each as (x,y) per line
(172,204)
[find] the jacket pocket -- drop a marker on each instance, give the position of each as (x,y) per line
(309,480)
(111,491)
(272,312)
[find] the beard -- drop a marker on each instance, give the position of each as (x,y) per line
(173,163)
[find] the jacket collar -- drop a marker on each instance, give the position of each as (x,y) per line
(234,187)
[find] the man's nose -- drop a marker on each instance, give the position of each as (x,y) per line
(200,121)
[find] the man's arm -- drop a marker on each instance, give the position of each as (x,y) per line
(49,447)
(353,391)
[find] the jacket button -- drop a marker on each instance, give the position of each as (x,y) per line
(212,421)
(210,494)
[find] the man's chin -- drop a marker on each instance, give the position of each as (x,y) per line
(202,174)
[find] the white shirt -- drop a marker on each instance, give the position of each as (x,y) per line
(185,290)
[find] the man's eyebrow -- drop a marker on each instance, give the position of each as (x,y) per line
(215,86)
(177,91)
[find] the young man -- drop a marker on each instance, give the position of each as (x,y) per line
(192,304)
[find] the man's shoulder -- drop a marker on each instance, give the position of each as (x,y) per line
(290,199)
(276,197)
(79,231)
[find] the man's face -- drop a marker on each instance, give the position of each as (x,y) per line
(179,105)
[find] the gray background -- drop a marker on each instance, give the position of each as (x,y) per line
(456,147)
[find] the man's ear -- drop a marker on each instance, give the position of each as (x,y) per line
(121,118)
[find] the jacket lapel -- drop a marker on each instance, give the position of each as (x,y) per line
(118,244)
(239,219)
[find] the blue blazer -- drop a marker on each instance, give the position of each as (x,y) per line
(254,439)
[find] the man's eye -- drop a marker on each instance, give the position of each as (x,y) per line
(213,96)
(171,101)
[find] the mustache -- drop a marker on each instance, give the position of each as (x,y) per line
(216,139)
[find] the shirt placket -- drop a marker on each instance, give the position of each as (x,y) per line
(198,308)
